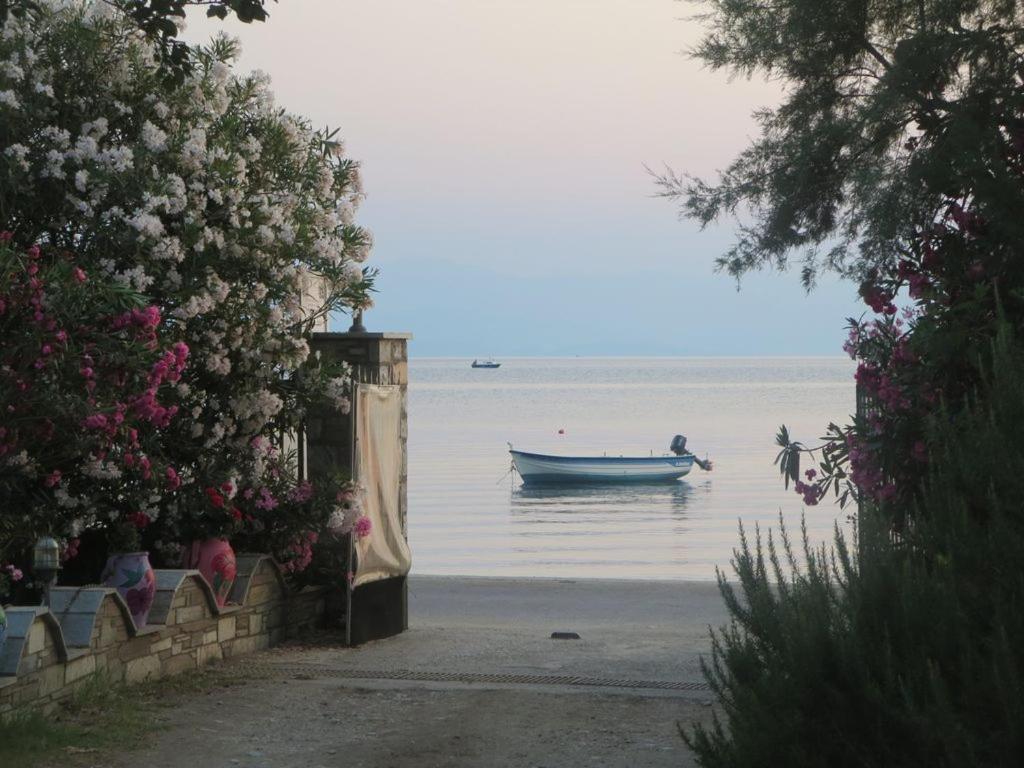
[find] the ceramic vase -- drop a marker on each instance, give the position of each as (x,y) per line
(132,576)
(215,560)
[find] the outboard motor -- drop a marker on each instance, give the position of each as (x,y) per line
(678,445)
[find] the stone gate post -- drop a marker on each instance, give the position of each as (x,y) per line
(378,609)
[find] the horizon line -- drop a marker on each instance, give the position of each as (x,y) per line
(631,357)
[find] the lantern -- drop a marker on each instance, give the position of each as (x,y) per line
(46,564)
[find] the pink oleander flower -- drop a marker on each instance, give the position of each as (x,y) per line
(363,527)
(215,498)
(266,500)
(301,493)
(181,352)
(918,285)
(70,550)
(96,421)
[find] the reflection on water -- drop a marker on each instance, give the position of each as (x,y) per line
(530,501)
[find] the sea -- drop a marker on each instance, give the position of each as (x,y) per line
(470,515)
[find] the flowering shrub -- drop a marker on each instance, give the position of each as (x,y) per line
(324,556)
(234,217)
(84,378)
(958,277)
(9,575)
(291,520)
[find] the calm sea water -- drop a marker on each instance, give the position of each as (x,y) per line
(468,516)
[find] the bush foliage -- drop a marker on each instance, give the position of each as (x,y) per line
(232,219)
(909,653)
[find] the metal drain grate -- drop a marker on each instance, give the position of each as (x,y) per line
(313,671)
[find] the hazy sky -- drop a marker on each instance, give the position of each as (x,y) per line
(503,145)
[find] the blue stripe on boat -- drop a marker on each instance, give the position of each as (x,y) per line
(675,461)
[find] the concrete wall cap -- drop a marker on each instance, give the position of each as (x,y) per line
(366,336)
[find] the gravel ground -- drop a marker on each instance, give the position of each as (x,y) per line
(303,705)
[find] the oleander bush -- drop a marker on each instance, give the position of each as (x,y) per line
(910,652)
(233,218)
(84,380)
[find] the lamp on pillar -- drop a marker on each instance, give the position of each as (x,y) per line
(357,322)
(46,564)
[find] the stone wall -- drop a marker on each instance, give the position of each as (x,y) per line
(89,631)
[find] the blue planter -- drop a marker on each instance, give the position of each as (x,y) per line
(3,627)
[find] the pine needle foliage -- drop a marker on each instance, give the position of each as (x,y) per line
(889,108)
(901,653)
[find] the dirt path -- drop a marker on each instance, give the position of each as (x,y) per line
(323,722)
(477,681)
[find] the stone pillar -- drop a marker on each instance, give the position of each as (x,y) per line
(378,609)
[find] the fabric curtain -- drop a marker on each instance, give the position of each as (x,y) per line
(385,552)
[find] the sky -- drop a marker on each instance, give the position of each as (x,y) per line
(504,147)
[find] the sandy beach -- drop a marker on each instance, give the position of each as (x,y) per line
(476,681)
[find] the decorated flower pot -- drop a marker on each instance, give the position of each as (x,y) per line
(132,575)
(3,627)
(215,560)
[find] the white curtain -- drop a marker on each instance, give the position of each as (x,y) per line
(385,552)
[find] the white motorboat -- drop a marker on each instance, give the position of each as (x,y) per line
(546,468)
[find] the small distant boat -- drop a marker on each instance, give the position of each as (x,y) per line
(485,364)
(544,468)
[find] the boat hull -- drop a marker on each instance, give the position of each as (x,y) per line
(536,468)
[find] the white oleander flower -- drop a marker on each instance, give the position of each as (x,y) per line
(154,138)
(146,224)
(11,70)
(18,153)
(54,168)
